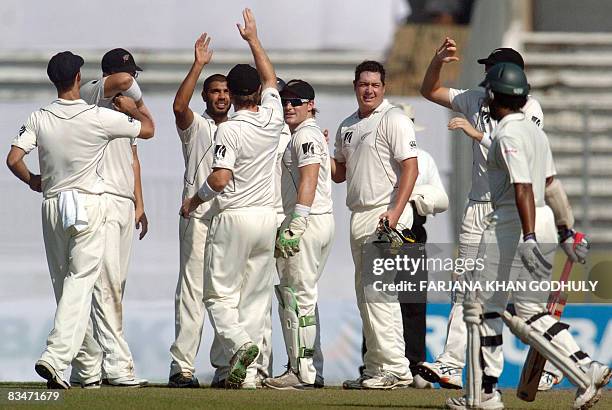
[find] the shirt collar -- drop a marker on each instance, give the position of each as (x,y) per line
(306,122)
(68,102)
(517,116)
(383,105)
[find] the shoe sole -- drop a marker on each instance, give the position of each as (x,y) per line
(184,386)
(597,396)
(347,386)
(399,385)
(238,371)
(296,388)
(50,375)
(432,377)
(125,386)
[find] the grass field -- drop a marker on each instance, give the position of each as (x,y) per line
(159,397)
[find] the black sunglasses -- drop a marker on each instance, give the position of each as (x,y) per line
(295,102)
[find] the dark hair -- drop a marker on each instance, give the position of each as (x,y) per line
(250,100)
(372,66)
(211,79)
(64,86)
(512,102)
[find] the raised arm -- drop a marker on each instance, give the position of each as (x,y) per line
(431,88)
(128,106)
(262,62)
(202,56)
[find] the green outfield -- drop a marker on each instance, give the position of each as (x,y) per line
(158,397)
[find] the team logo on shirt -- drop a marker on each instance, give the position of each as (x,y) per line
(413,144)
(347,137)
(510,151)
(130,119)
(308,148)
(22,130)
(536,120)
(220,151)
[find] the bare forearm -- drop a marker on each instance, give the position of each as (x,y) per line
(307,188)
(410,172)
(21,171)
(185,91)
(431,81)
(138,197)
(526,207)
(263,64)
(338,171)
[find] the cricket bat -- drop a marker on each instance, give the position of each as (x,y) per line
(534,364)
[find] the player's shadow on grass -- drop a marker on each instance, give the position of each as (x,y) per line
(386,406)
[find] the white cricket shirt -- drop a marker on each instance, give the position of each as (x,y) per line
(471,103)
(117,168)
(307,146)
(247,145)
(71,136)
(372,149)
(197,142)
(519,154)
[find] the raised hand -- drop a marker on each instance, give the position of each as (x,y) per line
(447,51)
(201,52)
(249,31)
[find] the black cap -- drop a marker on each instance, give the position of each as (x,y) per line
(243,80)
(300,89)
(503,55)
(280,84)
(119,60)
(64,67)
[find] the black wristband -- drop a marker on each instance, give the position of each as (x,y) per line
(564,234)
(530,235)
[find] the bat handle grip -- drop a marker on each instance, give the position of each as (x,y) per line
(578,237)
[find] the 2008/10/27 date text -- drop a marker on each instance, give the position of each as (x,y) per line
(30,396)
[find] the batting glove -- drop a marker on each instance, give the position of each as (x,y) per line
(288,240)
(533,259)
(576,246)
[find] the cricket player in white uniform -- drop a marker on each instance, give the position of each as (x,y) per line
(197,133)
(477,124)
(71,136)
(105,353)
(305,237)
(376,154)
(239,253)
(520,164)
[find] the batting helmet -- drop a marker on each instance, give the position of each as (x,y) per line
(506,78)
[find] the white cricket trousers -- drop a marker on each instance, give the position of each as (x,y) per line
(382,322)
(105,347)
(498,248)
(302,272)
(189,312)
(472,226)
(239,259)
(75,261)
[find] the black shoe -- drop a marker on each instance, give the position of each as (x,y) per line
(183,380)
(218,384)
(47,372)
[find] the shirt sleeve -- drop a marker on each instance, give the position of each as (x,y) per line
(26,137)
(550,164)
(226,148)
(533,111)
(338,155)
(306,146)
(486,140)
(399,131)
(188,133)
(270,98)
(118,125)
(459,100)
(514,155)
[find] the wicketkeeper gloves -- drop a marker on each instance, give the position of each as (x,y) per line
(289,235)
(576,246)
(532,257)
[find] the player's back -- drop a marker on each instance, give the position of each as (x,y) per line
(247,145)
(70,136)
(522,155)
